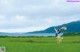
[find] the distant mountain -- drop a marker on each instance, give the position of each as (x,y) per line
(71,27)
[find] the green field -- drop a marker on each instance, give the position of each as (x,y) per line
(41,44)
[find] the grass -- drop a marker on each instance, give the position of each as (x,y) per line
(41,44)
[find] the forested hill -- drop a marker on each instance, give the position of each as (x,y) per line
(71,27)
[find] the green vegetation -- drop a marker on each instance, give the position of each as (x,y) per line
(40,44)
(72,34)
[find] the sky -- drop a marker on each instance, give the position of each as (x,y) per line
(35,15)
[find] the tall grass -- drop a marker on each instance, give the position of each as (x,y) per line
(41,44)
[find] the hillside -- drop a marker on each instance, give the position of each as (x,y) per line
(71,27)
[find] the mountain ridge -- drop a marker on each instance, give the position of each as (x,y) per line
(71,27)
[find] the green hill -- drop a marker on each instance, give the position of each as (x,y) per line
(71,27)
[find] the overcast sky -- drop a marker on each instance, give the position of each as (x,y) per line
(32,15)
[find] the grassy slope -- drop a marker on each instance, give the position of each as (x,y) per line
(46,44)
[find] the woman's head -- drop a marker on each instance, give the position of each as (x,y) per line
(58,31)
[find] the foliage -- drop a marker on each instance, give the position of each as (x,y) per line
(41,44)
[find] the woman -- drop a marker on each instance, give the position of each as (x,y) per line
(57,34)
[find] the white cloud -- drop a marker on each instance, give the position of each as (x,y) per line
(2,19)
(18,19)
(31,15)
(30,29)
(5,3)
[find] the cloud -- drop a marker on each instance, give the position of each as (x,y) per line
(30,15)
(21,30)
(2,19)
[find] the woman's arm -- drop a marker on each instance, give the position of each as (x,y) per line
(55,30)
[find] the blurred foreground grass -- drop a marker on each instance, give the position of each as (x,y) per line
(41,44)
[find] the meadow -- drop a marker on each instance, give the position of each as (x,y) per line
(41,44)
